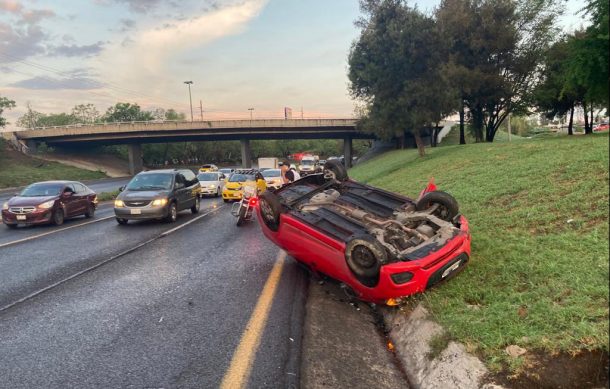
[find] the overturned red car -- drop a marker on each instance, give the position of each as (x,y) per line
(382,245)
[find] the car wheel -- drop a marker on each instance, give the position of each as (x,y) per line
(58,217)
(172,213)
(195,208)
(271,208)
(90,211)
(364,256)
(122,221)
(225,200)
(217,193)
(335,170)
(448,206)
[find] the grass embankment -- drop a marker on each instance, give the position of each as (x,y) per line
(17,169)
(538,212)
(107,196)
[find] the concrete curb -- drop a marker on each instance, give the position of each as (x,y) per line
(454,367)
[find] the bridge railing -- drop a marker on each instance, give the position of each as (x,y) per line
(157,122)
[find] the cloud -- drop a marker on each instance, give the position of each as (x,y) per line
(52,83)
(146,57)
(26,37)
(77,51)
(127,24)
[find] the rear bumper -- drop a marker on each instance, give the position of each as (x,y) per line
(36,217)
(327,255)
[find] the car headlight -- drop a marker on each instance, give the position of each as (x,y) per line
(46,204)
(212,186)
(119,204)
(5,205)
(159,202)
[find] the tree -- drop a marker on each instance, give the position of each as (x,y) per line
(86,113)
(31,118)
(126,112)
(555,96)
(5,103)
(394,70)
(171,114)
(496,49)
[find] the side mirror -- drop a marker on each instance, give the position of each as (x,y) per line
(121,188)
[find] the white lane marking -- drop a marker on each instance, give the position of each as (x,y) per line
(93,267)
(53,232)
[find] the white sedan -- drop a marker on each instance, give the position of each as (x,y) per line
(273,178)
(211,183)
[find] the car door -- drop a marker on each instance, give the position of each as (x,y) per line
(193,187)
(69,200)
(82,198)
(180,190)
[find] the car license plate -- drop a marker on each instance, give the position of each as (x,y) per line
(136,211)
(21,217)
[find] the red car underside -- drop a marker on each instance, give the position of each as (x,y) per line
(319,241)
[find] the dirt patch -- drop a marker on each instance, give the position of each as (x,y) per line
(588,369)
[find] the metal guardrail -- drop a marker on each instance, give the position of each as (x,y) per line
(156,122)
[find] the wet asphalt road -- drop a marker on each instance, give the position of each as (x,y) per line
(142,310)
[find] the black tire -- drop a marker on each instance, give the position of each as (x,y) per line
(11,226)
(271,208)
(122,221)
(195,208)
(448,206)
(364,256)
(241,218)
(172,213)
(90,211)
(58,217)
(336,169)
(225,200)
(217,193)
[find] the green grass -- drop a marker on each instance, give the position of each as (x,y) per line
(538,212)
(107,196)
(17,169)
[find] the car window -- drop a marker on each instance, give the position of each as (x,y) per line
(39,190)
(80,188)
(180,180)
(70,187)
(239,177)
(150,181)
(189,176)
(272,173)
(207,176)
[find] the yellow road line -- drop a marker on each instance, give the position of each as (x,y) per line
(243,358)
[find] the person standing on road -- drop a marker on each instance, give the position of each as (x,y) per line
(289,174)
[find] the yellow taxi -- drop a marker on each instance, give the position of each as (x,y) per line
(234,187)
(208,168)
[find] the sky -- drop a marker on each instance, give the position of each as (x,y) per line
(240,54)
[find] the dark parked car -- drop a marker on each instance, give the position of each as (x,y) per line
(158,194)
(49,202)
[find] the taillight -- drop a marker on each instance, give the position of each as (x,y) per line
(253,201)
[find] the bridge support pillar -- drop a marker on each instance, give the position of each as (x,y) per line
(246,153)
(347,151)
(32,146)
(135,158)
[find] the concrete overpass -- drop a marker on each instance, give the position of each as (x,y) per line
(134,134)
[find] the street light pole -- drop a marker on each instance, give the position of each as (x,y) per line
(190,97)
(251,110)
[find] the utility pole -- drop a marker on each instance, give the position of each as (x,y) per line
(301,112)
(190,97)
(201,108)
(251,110)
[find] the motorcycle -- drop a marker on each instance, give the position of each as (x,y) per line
(243,209)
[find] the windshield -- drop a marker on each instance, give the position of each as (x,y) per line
(307,162)
(271,173)
(207,177)
(238,177)
(225,171)
(151,181)
(39,190)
